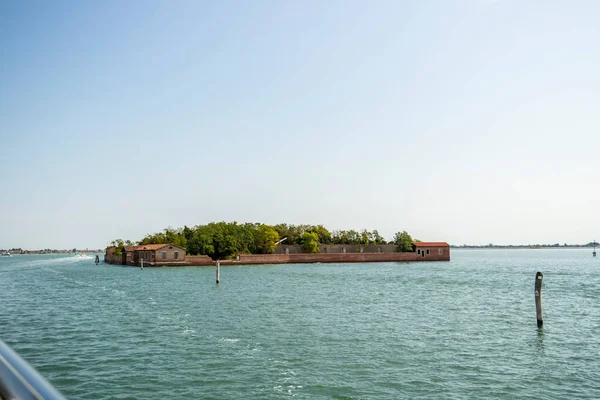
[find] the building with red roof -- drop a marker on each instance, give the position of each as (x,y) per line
(433,251)
(151,254)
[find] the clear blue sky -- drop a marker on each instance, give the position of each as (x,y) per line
(470,121)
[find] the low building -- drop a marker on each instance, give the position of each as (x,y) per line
(433,251)
(110,257)
(128,255)
(151,254)
(159,254)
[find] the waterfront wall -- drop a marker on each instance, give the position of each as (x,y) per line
(327,258)
(339,248)
(110,258)
(302,258)
(189,261)
(199,260)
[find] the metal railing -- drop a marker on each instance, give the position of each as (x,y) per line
(20,381)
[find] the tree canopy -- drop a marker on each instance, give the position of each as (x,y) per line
(310,242)
(224,239)
(403,241)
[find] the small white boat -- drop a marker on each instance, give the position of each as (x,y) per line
(6,254)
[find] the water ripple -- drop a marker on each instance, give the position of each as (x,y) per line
(464,329)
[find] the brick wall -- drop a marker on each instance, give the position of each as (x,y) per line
(338,248)
(170,250)
(110,258)
(325,258)
(356,248)
(199,260)
(300,258)
(434,254)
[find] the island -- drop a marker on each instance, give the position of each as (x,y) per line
(257,243)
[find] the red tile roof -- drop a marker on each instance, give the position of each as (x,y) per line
(150,246)
(155,246)
(431,244)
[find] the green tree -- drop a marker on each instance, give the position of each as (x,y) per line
(188,233)
(120,246)
(295,235)
(310,242)
(266,237)
(403,241)
(175,236)
(156,238)
(283,231)
(200,243)
(353,237)
(377,238)
(322,233)
(366,237)
(340,237)
(223,239)
(229,246)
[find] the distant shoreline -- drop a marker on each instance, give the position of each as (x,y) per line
(521,248)
(46,252)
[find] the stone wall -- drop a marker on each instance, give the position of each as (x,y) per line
(288,249)
(170,250)
(110,258)
(354,248)
(338,248)
(326,258)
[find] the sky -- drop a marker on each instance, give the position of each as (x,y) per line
(468,121)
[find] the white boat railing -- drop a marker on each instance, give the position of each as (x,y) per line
(19,380)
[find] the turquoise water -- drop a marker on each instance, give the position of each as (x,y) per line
(459,329)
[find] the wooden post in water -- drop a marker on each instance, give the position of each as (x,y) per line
(218,272)
(538,298)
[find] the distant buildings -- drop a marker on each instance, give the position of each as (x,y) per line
(51,251)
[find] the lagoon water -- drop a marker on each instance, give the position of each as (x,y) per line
(459,329)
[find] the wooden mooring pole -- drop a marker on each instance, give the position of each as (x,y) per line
(218,272)
(538,298)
